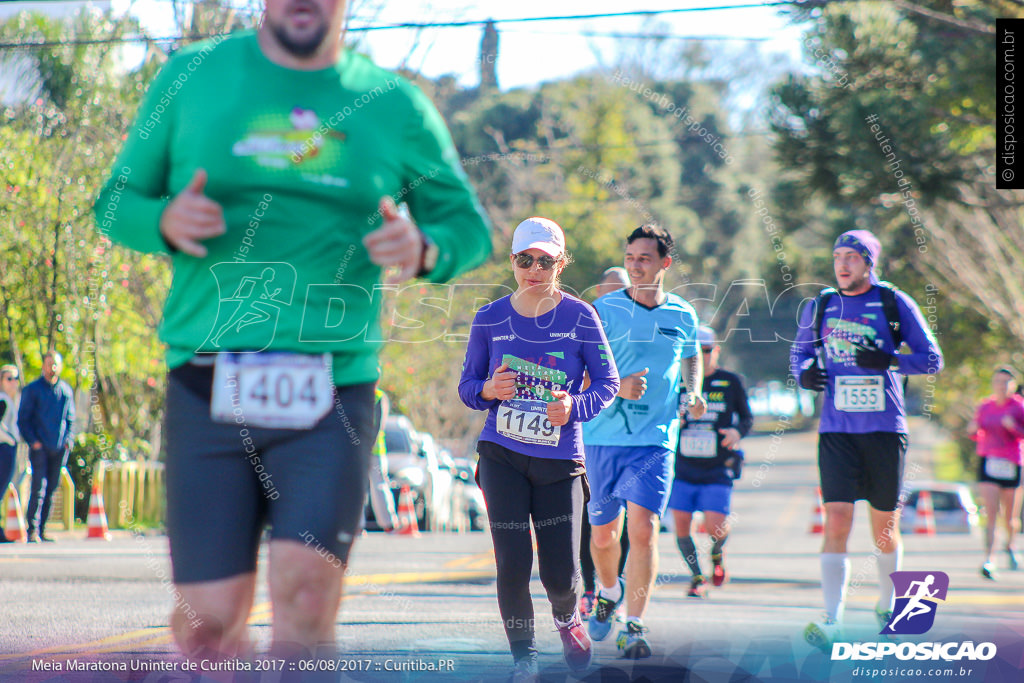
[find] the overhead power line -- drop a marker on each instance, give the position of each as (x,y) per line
(422,25)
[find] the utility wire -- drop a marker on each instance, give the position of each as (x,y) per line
(416,25)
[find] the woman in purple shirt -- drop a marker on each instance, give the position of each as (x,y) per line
(525,364)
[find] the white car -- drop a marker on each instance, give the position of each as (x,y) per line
(952,503)
(413,461)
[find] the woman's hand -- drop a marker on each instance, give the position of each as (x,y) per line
(501,385)
(560,409)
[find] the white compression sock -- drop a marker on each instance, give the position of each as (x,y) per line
(835,574)
(887,564)
(614,593)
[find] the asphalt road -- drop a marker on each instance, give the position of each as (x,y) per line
(413,604)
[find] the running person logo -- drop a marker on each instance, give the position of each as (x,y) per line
(918,595)
(251,297)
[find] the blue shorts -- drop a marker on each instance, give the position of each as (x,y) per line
(639,474)
(687,497)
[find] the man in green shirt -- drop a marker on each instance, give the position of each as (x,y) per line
(268,165)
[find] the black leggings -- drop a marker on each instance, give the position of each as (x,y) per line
(552,492)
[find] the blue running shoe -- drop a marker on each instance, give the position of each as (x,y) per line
(600,623)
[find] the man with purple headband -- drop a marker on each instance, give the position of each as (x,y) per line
(851,351)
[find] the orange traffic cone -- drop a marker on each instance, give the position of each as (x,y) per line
(14,528)
(97,516)
(925,521)
(818,515)
(407,513)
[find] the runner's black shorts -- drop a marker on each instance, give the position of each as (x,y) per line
(984,476)
(862,467)
(307,485)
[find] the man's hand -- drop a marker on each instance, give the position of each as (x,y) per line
(872,358)
(696,405)
(633,387)
(560,409)
(814,378)
(501,385)
(730,438)
(1009,423)
(192,217)
(396,243)
(37,445)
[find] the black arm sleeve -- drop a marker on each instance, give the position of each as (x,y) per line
(742,409)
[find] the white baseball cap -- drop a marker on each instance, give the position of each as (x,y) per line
(539,233)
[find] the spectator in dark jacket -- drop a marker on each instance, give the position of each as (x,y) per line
(45,416)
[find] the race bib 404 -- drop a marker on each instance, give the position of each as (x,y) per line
(278,390)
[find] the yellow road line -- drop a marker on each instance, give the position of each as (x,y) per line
(259,612)
(789,512)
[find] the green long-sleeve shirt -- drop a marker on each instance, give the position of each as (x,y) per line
(299,161)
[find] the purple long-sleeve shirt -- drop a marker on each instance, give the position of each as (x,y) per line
(549,352)
(854,403)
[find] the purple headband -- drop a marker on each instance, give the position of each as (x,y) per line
(865,244)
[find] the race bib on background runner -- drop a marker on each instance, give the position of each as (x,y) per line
(698,443)
(860,393)
(1000,468)
(276,389)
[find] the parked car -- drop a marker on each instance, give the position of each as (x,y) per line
(471,499)
(955,511)
(413,461)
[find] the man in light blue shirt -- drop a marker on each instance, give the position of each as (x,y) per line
(630,445)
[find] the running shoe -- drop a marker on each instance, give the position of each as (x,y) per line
(632,643)
(600,623)
(988,570)
(821,634)
(586,605)
(698,587)
(1013,560)
(525,671)
(718,575)
(575,644)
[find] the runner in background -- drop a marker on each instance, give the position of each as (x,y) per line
(381,499)
(707,463)
(998,428)
(855,361)
(612,280)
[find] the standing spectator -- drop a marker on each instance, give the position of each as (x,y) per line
(9,380)
(45,417)
(998,427)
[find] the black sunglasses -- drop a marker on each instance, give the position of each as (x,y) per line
(525,261)
(707,349)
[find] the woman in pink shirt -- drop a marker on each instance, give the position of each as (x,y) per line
(998,428)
